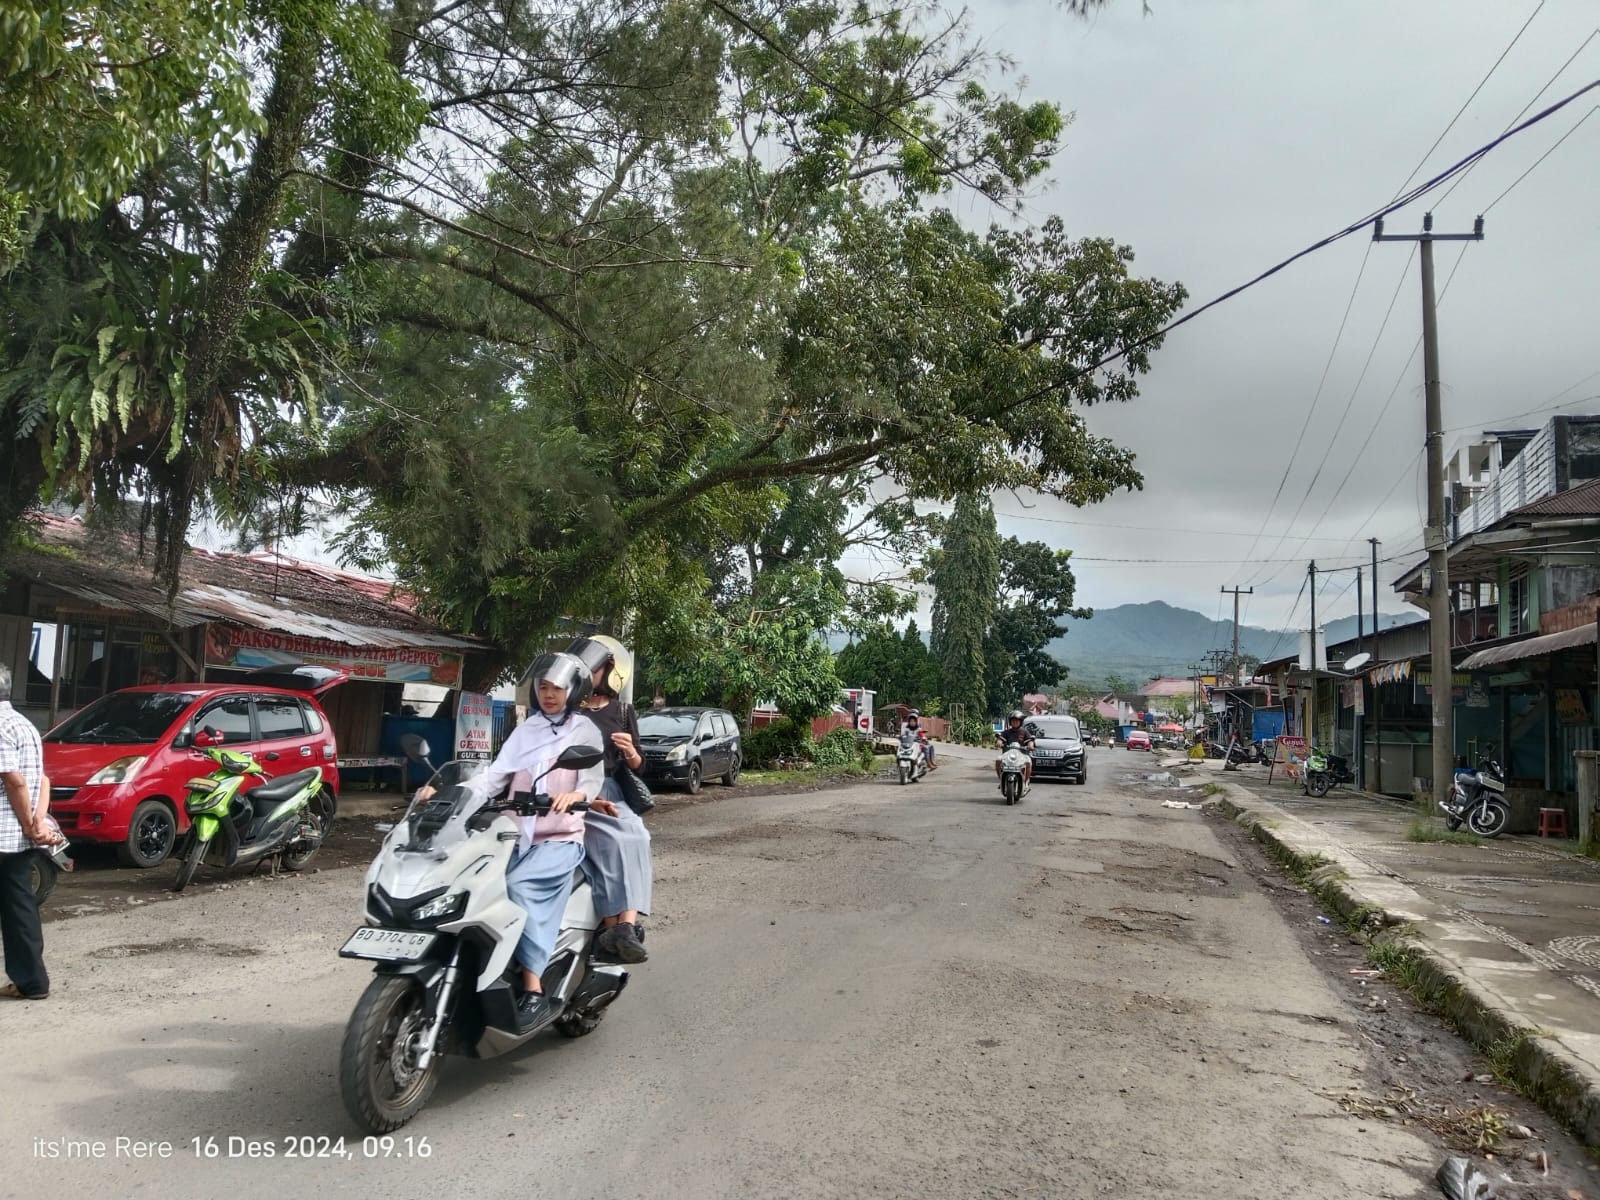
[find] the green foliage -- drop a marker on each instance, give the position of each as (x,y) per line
(1036,593)
(838,748)
(644,329)
(966,578)
(899,667)
(783,738)
(973,731)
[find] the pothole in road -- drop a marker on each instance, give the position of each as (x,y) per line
(1168,869)
(178,945)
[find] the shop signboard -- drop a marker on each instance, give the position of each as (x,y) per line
(475,727)
(1292,753)
(231,646)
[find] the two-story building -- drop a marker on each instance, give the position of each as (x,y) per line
(1524,583)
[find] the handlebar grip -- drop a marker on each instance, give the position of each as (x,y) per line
(537,804)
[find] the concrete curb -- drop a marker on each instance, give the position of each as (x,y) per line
(1385,911)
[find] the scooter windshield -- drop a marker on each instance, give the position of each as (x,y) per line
(436,818)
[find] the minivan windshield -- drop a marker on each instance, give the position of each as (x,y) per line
(664,724)
(1065,728)
(124,719)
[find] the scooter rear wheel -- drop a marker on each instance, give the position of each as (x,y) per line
(299,860)
(379,1081)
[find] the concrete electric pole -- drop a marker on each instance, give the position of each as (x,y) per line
(1237,592)
(1435,537)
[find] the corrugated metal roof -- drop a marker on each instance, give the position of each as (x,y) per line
(1548,643)
(261,591)
(1580,501)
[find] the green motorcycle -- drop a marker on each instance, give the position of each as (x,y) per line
(285,817)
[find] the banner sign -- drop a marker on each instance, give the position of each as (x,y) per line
(475,727)
(1355,696)
(1292,753)
(231,646)
(1460,681)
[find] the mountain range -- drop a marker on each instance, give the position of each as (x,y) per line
(1140,641)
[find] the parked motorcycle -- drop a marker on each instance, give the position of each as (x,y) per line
(441,931)
(48,863)
(1013,764)
(911,759)
(285,817)
(1240,752)
(1478,799)
(1324,771)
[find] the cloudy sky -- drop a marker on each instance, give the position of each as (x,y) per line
(1217,138)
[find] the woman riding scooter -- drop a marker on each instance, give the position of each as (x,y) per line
(1015,734)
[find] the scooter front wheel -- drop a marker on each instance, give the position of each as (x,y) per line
(192,854)
(1488,820)
(379,1079)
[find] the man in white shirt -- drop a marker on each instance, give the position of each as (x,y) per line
(21,770)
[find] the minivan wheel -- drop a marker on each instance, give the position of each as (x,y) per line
(732,777)
(151,832)
(692,784)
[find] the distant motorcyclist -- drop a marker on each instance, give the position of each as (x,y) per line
(1015,735)
(914,724)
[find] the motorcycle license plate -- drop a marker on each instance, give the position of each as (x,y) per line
(389,945)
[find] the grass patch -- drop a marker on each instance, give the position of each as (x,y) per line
(1427,831)
(1213,789)
(811,774)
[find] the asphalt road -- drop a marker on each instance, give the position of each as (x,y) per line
(869,991)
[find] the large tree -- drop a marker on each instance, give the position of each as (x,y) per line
(530,297)
(1035,595)
(966,580)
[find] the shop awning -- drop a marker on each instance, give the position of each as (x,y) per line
(1547,643)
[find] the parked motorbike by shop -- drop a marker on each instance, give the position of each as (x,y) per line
(1241,752)
(1478,800)
(911,758)
(1326,771)
(284,818)
(441,931)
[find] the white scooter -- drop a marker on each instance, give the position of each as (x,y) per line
(442,930)
(1013,773)
(912,759)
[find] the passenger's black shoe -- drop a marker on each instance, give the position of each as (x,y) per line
(623,941)
(537,1009)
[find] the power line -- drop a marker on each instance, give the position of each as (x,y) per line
(1495,67)
(1327,451)
(1541,158)
(1461,178)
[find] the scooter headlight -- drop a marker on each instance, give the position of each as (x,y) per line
(441,908)
(120,771)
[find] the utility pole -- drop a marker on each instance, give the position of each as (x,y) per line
(1197,669)
(1237,592)
(1377,701)
(1435,537)
(1361,636)
(1311,713)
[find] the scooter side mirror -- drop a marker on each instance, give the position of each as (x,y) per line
(415,747)
(577,758)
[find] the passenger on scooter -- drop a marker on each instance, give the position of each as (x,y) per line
(539,877)
(1015,734)
(914,723)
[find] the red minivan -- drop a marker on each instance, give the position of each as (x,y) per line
(118,767)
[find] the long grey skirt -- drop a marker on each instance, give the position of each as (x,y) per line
(617,857)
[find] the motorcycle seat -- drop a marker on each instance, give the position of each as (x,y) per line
(276,791)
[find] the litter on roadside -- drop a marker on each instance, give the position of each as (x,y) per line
(1366,972)
(1461,1180)
(1179,804)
